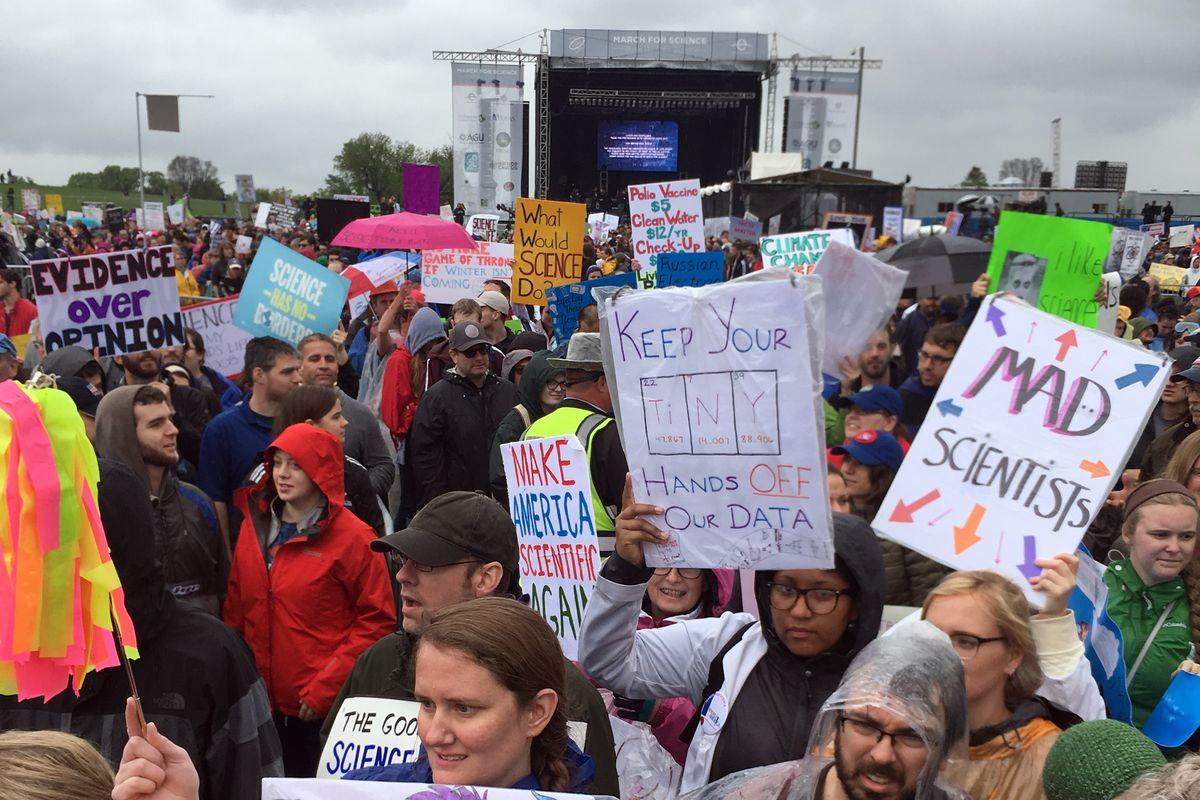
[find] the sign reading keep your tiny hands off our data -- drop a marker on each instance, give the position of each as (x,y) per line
(1029,430)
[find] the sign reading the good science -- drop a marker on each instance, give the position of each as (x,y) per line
(1029,431)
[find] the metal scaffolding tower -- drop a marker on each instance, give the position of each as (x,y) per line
(1056,151)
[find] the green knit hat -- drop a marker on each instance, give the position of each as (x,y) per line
(1098,760)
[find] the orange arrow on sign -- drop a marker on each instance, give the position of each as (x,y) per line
(1094,468)
(965,537)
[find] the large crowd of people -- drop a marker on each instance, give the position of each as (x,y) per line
(332,523)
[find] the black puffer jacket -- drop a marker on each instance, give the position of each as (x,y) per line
(449,442)
(513,426)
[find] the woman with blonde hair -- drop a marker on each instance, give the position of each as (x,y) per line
(52,765)
(1015,714)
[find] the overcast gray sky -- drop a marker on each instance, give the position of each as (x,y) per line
(964,81)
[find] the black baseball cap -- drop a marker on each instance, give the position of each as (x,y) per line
(86,396)
(457,526)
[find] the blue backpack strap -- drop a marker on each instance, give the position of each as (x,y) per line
(205,506)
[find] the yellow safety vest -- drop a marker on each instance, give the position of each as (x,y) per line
(584,424)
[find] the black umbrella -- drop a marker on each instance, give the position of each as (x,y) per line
(942,262)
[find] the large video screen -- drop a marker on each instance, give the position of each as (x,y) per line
(637,146)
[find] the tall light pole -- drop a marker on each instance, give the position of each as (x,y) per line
(862,55)
(137,103)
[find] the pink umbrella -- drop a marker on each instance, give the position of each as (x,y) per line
(404,231)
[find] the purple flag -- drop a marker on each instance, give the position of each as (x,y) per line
(421,195)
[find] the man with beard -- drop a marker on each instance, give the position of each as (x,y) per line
(874,365)
(192,409)
(133,425)
(1160,450)
(933,362)
(899,714)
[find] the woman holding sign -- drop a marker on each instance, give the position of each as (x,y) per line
(758,683)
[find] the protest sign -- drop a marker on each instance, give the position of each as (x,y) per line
(952,223)
(421,188)
(354,198)
(114,218)
(224,342)
(565,302)
(1127,251)
(175,213)
(1106,311)
(717,398)
(92,210)
(483,226)
(550,499)
(153,216)
(1181,236)
(391,266)
(448,276)
(319,789)
(665,218)
(243,245)
(801,251)
(54,204)
(1029,431)
(289,296)
(859,223)
(691,269)
(271,215)
(860,294)
(745,230)
(893,223)
(599,225)
(548,242)
(1155,229)
(31,200)
(1170,278)
(1052,263)
(370,732)
(122,302)
(715,226)
(244,187)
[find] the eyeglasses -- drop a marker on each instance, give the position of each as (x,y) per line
(819,601)
(472,352)
(936,360)
(967,646)
(401,561)
(556,387)
(906,740)
(687,573)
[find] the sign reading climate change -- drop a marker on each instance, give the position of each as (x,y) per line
(716,397)
(548,245)
(665,218)
(801,251)
(121,303)
(550,499)
(1027,435)
(289,296)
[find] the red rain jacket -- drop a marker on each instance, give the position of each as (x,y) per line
(326,596)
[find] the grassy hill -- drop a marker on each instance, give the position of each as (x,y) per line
(74,197)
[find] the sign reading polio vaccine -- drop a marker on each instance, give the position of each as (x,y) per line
(1029,431)
(120,303)
(550,499)
(717,395)
(665,218)
(289,296)
(370,732)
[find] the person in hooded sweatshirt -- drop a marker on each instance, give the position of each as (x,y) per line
(74,361)
(758,684)
(133,426)
(306,591)
(541,389)
(196,677)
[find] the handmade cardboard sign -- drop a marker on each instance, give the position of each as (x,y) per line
(289,296)
(1052,263)
(718,412)
(122,302)
(448,276)
(665,218)
(548,247)
(550,499)
(801,251)
(1026,436)
(370,732)
(565,302)
(224,342)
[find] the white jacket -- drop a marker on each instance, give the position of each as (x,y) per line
(672,661)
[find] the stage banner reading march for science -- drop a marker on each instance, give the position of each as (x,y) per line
(1028,433)
(118,303)
(489,153)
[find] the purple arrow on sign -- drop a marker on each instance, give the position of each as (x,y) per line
(996,317)
(1029,569)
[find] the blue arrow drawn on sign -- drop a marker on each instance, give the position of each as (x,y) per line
(948,407)
(1142,373)
(996,317)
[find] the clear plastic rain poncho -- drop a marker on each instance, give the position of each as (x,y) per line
(917,677)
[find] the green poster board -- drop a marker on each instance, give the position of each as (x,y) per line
(1052,263)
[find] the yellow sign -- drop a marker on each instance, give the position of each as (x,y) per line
(1170,279)
(548,247)
(54,204)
